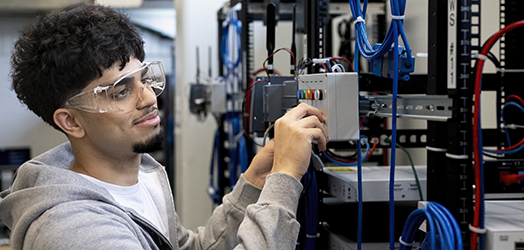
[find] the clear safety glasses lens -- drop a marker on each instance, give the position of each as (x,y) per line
(125,94)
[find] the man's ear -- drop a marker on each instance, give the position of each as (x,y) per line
(66,119)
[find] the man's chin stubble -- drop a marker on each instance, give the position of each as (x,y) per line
(151,145)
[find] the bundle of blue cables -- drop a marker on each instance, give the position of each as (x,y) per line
(396,28)
(237,147)
(443,230)
(308,213)
(368,52)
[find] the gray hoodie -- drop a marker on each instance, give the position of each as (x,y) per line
(51,207)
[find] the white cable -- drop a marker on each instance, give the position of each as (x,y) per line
(405,243)
(359,19)
(338,67)
(237,136)
(267,133)
(477,230)
(436,149)
(513,126)
(458,157)
(510,70)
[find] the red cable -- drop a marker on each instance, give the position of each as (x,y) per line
(476,116)
(372,149)
(512,147)
(286,49)
(522,141)
(324,66)
(516,97)
(247,98)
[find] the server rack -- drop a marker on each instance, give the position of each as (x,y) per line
(453,37)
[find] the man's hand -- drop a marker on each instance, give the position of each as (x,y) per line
(294,133)
(261,166)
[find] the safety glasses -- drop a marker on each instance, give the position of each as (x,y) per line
(124,94)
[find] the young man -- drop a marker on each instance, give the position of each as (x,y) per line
(81,69)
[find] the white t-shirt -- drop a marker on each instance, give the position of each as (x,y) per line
(136,197)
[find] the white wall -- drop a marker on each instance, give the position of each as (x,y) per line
(19,127)
(196,26)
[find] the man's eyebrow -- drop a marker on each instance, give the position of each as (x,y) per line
(106,84)
(127,79)
(124,80)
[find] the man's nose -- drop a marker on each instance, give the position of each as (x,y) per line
(147,97)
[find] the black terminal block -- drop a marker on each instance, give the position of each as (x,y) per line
(271,101)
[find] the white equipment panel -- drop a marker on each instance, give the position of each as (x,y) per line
(335,94)
(343,184)
(505,225)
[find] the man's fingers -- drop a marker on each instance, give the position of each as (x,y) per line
(313,122)
(315,129)
(304,110)
(318,135)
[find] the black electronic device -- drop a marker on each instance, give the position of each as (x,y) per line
(270,101)
(374,217)
(504,179)
(270,37)
(199,96)
(293,44)
(199,100)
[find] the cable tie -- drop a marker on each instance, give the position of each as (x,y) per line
(359,19)
(237,136)
(513,126)
(458,157)
(320,60)
(510,70)
(477,230)
(436,149)
(405,243)
(480,57)
(397,17)
(311,236)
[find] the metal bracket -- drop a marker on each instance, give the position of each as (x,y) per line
(429,107)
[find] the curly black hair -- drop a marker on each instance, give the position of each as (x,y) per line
(64,51)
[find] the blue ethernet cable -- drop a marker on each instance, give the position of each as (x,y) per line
(440,222)
(504,120)
(362,45)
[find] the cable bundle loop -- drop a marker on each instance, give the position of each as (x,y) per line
(443,230)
